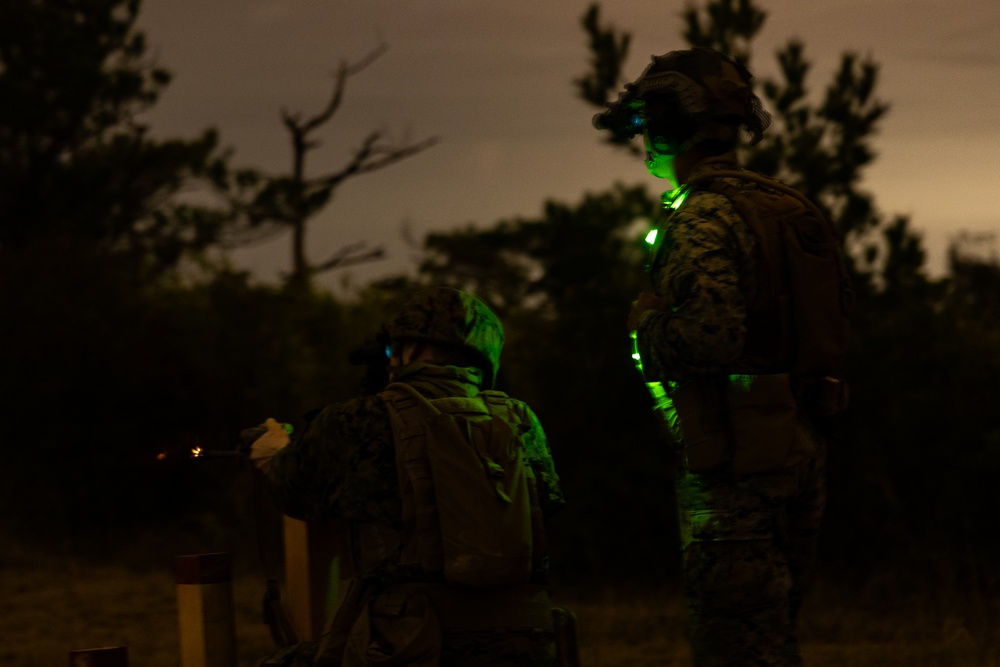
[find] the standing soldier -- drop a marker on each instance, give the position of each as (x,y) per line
(742,343)
(445,484)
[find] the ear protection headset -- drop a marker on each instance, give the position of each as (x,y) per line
(670,127)
(682,98)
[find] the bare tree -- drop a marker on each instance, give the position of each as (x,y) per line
(272,204)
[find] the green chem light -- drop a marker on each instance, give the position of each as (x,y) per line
(651,237)
(635,351)
(660,393)
(674,198)
(743,382)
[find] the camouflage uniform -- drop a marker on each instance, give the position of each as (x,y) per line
(343,466)
(748,541)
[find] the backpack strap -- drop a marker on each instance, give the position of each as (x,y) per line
(466,482)
(765,181)
(797,245)
(505,407)
(408,409)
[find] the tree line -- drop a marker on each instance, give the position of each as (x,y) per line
(125,345)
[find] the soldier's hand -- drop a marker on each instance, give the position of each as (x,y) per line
(645,301)
(273,440)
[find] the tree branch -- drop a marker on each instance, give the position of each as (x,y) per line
(347,256)
(371,157)
(344,72)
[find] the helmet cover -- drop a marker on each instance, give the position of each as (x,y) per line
(709,87)
(704,91)
(448,316)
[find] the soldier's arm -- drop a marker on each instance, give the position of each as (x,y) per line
(343,465)
(305,475)
(550,495)
(704,328)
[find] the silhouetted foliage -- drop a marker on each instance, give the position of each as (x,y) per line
(724,25)
(609,49)
(74,160)
(114,366)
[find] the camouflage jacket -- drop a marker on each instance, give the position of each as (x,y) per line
(703,265)
(343,464)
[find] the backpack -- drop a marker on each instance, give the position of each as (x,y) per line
(799,319)
(470,504)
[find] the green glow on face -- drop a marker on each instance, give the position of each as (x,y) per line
(743,382)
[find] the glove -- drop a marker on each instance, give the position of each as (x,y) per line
(272,438)
(646,301)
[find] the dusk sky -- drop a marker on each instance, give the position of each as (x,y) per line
(494,82)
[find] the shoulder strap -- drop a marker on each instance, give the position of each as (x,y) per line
(798,246)
(408,409)
(765,181)
(470,506)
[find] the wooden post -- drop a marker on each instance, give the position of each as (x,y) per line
(108,656)
(205,610)
(311,577)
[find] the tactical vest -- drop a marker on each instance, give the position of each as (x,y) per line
(470,514)
(799,318)
(797,329)
(470,501)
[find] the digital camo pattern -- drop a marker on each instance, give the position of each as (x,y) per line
(343,465)
(748,542)
(703,265)
(449,316)
(748,547)
(442,381)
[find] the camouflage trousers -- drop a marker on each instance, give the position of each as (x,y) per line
(748,547)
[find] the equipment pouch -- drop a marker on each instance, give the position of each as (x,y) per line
(699,405)
(395,629)
(762,418)
(746,421)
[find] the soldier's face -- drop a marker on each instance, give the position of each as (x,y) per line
(659,164)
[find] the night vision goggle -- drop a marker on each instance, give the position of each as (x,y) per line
(624,118)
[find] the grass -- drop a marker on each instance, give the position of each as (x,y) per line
(51,607)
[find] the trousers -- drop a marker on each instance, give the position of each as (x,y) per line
(748,547)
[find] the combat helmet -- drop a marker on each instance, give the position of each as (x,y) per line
(686,97)
(452,317)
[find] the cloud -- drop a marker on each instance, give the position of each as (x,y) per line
(273,11)
(959,39)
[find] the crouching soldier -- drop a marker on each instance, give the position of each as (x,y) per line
(445,485)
